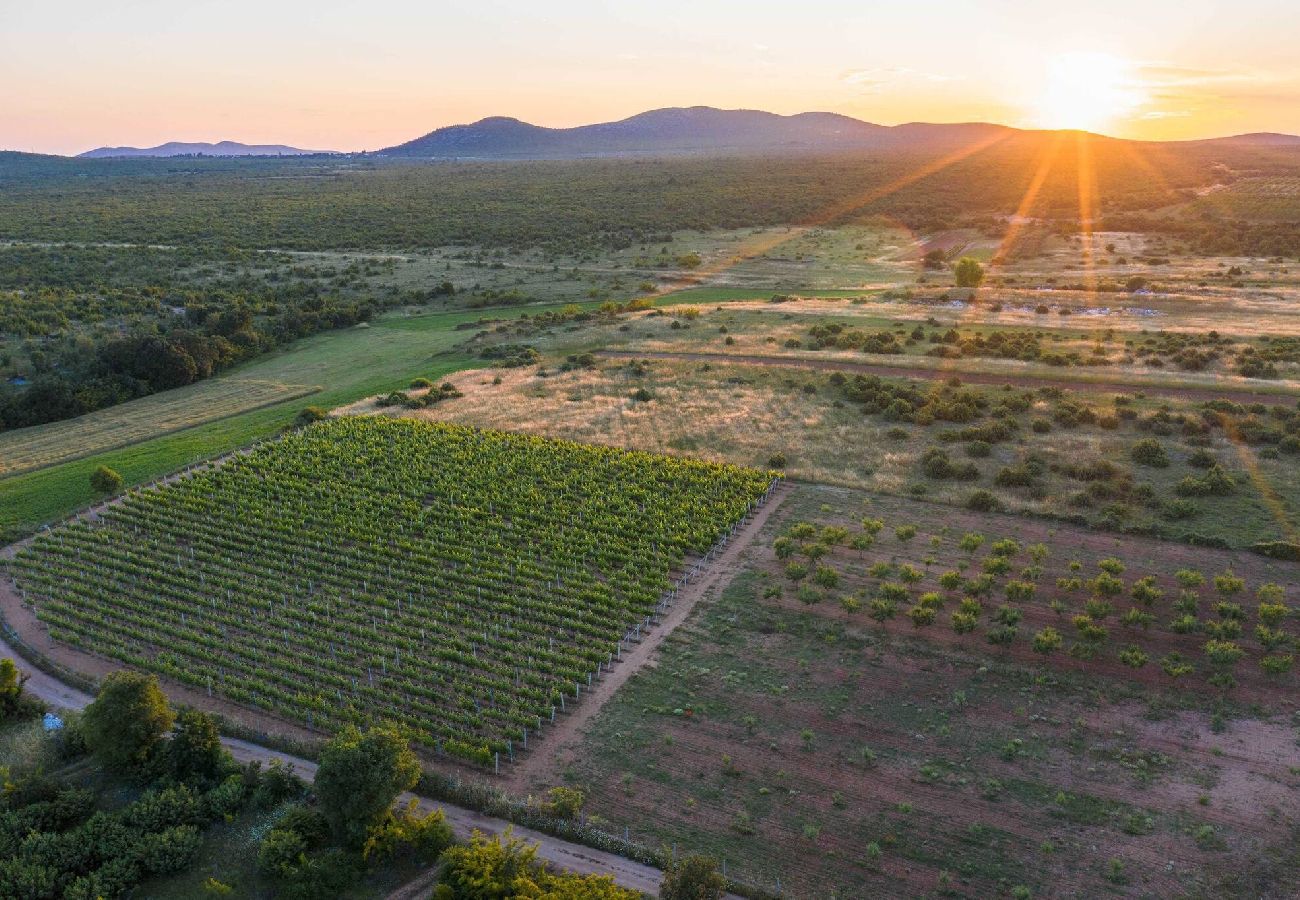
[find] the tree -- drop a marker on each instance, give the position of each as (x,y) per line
(360,776)
(693,877)
(11,689)
(128,718)
(504,866)
(194,751)
(105,480)
(969,273)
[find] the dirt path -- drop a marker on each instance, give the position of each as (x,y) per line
(562,854)
(562,740)
(936,374)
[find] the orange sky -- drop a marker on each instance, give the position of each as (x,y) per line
(331,75)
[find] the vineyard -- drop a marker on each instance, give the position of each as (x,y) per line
(467,584)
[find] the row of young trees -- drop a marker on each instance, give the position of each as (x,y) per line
(1088,603)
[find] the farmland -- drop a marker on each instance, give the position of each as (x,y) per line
(23,450)
(814,734)
(463,583)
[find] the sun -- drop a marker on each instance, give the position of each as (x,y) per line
(1087,91)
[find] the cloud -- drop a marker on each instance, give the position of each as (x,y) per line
(875,80)
(1167,114)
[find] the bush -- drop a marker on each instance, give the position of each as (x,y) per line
(106,481)
(693,877)
(982,501)
(1215,482)
(641,395)
(1150,452)
(776,461)
(310,414)
(1277,550)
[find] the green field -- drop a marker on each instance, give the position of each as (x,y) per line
(26,449)
(460,582)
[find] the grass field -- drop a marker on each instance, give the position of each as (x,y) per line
(47,445)
(348,364)
(808,745)
(505,570)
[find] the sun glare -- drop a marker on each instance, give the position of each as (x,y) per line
(1088,91)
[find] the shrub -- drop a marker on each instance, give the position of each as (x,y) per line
(1046,641)
(905,532)
(1020,590)
(1215,482)
(1149,452)
(1175,666)
(921,615)
(982,501)
(693,877)
(826,577)
(963,622)
(1277,550)
(309,414)
(1133,657)
(105,480)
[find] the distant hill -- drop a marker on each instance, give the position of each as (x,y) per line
(684,130)
(1258,139)
(178,148)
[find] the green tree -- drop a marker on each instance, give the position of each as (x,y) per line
(11,689)
(105,481)
(969,272)
(693,877)
(194,751)
(360,776)
(127,719)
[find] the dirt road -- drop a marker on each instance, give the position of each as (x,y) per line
(937,374)
(535,769)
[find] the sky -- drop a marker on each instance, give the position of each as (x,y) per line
(337,75)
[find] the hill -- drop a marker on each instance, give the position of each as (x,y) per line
(684,130)
(178,148)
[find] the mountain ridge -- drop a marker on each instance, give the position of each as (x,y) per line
(195,148)
(692,129)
